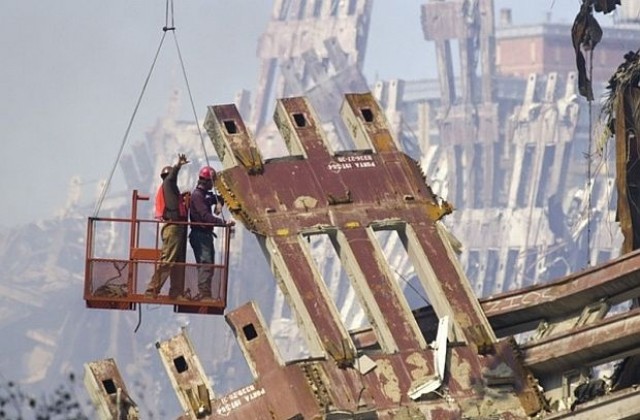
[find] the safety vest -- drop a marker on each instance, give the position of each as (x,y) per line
(160,204)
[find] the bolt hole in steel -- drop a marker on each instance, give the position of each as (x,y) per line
(181,364)
(249,332)
(367,114)
(109,386)
(230,126)
(300,120)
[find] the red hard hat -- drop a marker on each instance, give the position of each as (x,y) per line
(207,172)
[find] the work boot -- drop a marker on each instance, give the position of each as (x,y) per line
(150,294)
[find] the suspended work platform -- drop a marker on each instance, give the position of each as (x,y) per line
(116,274)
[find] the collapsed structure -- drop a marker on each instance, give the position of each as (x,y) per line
(453,359)
(469,368)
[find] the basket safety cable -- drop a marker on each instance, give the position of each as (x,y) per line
(169,18)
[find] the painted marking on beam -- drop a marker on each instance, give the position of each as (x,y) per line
(236,399)
(351,162)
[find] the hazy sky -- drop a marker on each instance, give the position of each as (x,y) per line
(72,71)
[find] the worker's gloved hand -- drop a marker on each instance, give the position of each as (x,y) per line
(182,159)
(231,222)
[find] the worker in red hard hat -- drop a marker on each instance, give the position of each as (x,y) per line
(207,173)
(205,212)
(171,209)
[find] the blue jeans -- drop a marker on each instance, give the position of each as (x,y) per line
(202,244)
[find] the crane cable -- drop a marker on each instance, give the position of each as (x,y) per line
(169,15)
(186,82)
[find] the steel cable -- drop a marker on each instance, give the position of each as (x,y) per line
(126,133)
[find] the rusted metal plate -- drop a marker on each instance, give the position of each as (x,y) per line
(278,389)
(348,196)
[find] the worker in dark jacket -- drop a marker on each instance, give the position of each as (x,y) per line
(171,208)
(205,211)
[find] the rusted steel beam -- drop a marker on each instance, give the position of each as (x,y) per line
(614,281)
(279,390)
(300,128)
(108,391)
(234,144)
(449,288)
(308,295)
(254,339)
(366,123)
(186,374)
(606,340)
(522,310)
(386,297)
(619,405)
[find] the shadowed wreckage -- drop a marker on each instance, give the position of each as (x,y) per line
(455,360)
(527,352)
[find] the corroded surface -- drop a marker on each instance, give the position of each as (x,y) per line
(349,196)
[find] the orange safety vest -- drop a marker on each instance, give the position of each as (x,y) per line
(160,205)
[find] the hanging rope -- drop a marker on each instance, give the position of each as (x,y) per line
(169,26)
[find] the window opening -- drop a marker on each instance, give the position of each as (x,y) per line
(337,281)
(402,269)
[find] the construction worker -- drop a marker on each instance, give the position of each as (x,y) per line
(171,208)
(203,219)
